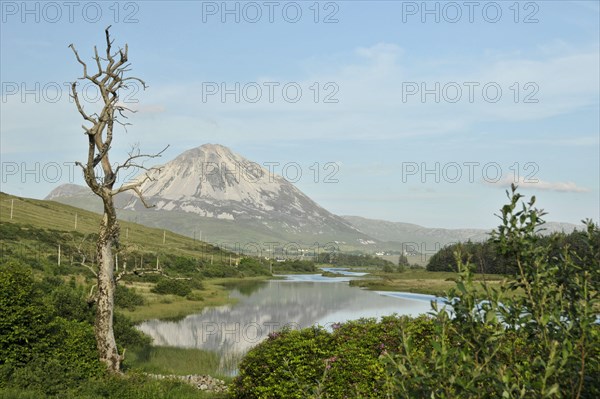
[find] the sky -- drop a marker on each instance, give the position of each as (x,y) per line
(417,112)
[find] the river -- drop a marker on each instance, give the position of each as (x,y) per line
(295,301)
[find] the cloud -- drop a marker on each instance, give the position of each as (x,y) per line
(369,103)
(368,96)
(537,184)
(149,109)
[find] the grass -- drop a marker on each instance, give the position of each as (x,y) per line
(128,386)
(157,306)
(172,306)
(55,216)
(169,360)
(418,281)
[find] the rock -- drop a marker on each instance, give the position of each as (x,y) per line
(202,382)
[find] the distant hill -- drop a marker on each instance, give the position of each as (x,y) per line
(397,232)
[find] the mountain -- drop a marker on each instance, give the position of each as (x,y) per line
(214,194)
(68,190)
(212,191)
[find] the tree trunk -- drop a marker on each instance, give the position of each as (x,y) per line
(105,338)
(109,80)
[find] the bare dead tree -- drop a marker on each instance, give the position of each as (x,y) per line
(110,78)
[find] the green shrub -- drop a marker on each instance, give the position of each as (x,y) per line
(24,317)
(127,298)
(174,287)
(313,362)
(183,264)
(70,303)
(217,270)
(126,335)
(40,350)
(47,341)
(295,266)
(253,267)
(286,365)
(540,343)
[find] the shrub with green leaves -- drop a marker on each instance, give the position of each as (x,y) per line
(24,316)
(174,287)
(316,363)
(47,341)
(39,349)
(285,365)
(536,336)
(127,298)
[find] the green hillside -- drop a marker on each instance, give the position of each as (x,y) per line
(54,216)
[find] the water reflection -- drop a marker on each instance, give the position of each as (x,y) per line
(300,301)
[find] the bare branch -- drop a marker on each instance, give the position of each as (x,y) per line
(89,267)
(141,272)
(82,254)
(130,162)
(75,97)
(80,61)
(134,154)
(91,296)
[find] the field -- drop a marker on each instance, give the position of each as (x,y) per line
(55,216)
(418,281)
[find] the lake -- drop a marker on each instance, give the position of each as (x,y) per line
(295,301)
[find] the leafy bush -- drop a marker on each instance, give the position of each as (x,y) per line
(23,315)
(285,365)
(295,266)
(217,270)
(47,341)
(127,298)
(70,303)
(174,287)
(183,264)
(542,342)
(316,363)
(126,335)
(342,259)
(39,349)
(253,267)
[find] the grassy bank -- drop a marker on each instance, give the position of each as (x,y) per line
(160,306)
(169,360)
(215,292)
(127,386)
(418,281)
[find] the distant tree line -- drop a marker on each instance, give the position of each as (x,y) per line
(487,259)
(340,259)
(295,266)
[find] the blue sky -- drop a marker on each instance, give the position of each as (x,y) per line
(371,94)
